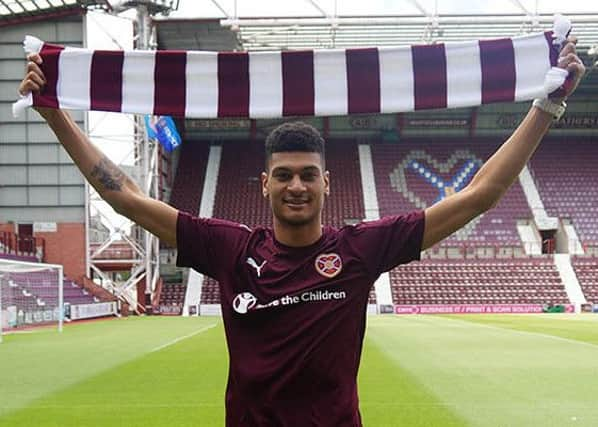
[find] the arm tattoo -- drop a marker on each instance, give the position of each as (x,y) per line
(108,174)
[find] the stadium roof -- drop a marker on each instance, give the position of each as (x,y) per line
(21,11)
(263,34)
(309,24)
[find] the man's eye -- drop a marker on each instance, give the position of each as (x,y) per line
(282,176)
(308,177)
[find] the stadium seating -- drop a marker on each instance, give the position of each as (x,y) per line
(39,285)
(25,258)
(586,269)
(565,174)
(408,176)
(210,294)
(172,298)
(189,178)
(478,281)
(238,192)
(345,203)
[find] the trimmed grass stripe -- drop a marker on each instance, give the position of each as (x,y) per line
(417,371)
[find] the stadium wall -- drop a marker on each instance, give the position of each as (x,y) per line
(40,183)
(7,227)
(66,246)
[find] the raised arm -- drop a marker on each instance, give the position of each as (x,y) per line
(500,171)
(113,185)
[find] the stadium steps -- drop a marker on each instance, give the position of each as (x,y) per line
(372,212)
(569,278)
(206,210)
(96,291)
(574,245)
(532,242)
(565,173)
(532,195)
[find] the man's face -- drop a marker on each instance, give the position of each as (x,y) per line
(296,185)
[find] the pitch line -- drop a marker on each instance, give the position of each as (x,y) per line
(184,337)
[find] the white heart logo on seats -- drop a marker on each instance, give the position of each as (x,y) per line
(421,163)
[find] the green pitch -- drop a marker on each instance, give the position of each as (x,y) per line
(471,370)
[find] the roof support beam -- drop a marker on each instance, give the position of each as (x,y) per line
(221,9)
(522,7)
(315,4)
(419,7)
(400,20)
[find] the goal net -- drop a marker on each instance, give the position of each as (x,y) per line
(31,294)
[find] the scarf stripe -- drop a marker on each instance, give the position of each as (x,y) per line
(106,80)
(74,67)
(363,80)
(298,83)
(265,84)
(51,55)
(396,80)
(463,74)
(233,84)
(429,76)
(279,84)
(138,82)
(169,81)
(531,54)
(330,83)
(201,88)
(498,70)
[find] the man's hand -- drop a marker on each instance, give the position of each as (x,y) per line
(34,81)
(568,60)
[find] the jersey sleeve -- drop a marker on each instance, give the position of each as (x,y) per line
(209,245)
(385,243)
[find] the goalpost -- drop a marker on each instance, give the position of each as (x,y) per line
(31,294)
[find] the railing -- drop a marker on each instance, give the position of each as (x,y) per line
(25,246)
(114,251)
(476,251)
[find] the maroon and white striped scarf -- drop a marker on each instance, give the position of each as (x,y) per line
(300,83)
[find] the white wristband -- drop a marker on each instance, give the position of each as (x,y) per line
(555,110)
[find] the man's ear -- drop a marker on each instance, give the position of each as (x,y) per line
(327,183)
(264,178)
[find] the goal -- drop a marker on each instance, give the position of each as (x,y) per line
(31,294)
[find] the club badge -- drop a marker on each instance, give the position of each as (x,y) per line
(329,265)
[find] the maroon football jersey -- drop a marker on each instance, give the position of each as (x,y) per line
(295,317)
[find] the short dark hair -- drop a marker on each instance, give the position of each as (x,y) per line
(294,136)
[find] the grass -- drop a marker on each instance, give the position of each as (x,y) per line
(476,370)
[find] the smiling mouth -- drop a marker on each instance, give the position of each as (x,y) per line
(295,203)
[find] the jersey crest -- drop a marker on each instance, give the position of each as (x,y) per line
(329,265)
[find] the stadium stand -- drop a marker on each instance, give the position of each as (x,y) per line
(172,297)
(189,178)
(35,286)
(238,191)
(345,203)
(567,183)
(587,274)
(478,281)
(411,175)
(186,196)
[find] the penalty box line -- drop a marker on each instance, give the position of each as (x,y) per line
(184,337)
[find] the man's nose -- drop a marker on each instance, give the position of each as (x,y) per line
(296,184)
